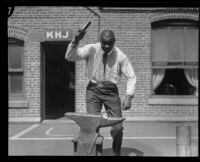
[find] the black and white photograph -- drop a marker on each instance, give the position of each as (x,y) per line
(103,80)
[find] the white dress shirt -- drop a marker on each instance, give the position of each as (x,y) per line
(117,64)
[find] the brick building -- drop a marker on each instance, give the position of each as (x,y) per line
(162,44)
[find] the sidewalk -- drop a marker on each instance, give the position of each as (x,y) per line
(54,138)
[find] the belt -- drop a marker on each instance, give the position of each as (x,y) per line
(93,81)
(102,83)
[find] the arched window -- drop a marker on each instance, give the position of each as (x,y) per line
(175,50)
(15,68)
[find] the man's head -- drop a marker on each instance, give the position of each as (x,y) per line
(107,40)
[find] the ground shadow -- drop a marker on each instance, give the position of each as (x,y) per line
(125,151)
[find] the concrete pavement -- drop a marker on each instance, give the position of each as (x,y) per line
(54,138)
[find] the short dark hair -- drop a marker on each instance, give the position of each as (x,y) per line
(107,35)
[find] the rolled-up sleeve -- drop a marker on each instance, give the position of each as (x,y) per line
(75,53)
(129,73)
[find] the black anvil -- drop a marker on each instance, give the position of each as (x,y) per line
(89,142)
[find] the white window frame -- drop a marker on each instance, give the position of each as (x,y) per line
(172,99)
(17,100)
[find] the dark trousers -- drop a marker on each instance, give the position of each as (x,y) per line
(106,93)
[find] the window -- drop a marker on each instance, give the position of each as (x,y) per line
(175,52)
(15,68)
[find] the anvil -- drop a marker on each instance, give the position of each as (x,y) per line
(89,130)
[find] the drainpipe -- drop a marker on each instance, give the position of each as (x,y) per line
(98,20)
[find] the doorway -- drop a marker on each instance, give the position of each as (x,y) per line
(59,81)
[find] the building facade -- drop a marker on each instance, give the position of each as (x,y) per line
(162,44)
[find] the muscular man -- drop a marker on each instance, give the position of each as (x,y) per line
(105,64)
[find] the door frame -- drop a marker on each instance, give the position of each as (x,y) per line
(43,99)
(43,77)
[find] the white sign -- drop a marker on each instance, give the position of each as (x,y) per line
(55,34)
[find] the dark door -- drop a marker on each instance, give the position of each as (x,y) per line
(59,81)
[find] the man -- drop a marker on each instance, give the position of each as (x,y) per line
(105,63)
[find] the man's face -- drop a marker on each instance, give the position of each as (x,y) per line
(107,40)
(107,45)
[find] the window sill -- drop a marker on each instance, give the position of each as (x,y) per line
(18,103)
(172,100)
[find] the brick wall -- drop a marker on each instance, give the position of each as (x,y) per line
(133,35)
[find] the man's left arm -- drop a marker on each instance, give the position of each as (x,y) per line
(129,73)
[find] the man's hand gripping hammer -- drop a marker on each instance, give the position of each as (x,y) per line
(81,32)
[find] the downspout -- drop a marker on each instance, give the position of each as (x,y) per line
(98,20)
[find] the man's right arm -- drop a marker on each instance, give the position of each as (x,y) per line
(71,52)
(75,53)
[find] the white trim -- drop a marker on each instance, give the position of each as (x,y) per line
(128,119)
(163,118)
(173,100)
(58,121)
(24,119)
(106,138)
(138,118)
(22,103)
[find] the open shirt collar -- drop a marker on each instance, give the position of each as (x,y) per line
(111,51)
